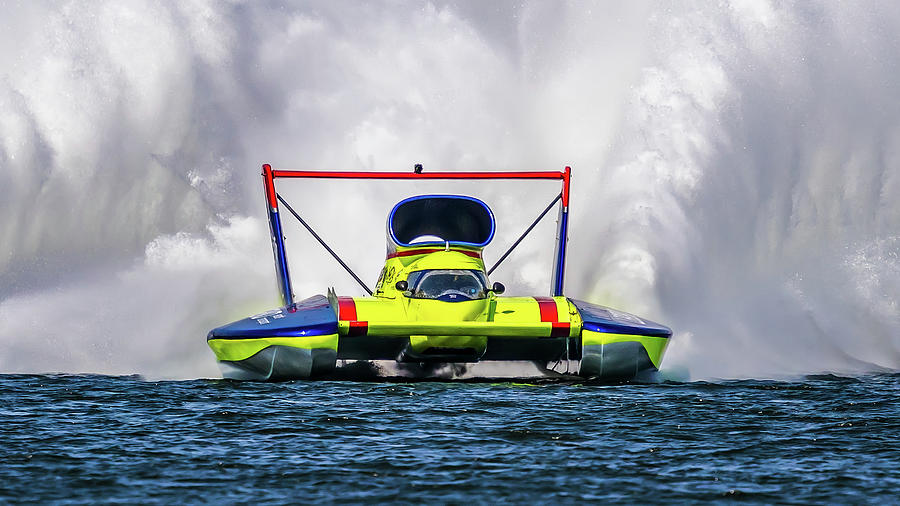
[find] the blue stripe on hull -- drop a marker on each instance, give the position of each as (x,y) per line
(311,317)
(603,319)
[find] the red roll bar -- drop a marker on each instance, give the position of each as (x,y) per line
(269,176)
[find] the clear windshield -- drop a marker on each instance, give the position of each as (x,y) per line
(448,285)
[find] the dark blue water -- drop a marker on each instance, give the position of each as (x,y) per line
(82,439)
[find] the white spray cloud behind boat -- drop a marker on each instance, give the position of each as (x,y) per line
(737,167)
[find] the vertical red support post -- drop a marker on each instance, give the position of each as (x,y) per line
(562,236)
(281,265)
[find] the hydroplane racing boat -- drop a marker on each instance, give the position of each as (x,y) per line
(433,302)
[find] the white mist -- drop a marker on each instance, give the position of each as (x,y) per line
(737,167)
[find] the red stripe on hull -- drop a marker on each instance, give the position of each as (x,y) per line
(548,309)
(408,253)
(560,329)
(358,328)
(346,308)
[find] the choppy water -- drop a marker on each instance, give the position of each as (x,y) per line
(82,439)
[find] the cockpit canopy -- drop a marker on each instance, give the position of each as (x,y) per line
(448,285)
(455,219)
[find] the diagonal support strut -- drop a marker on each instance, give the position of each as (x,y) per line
(322,242)
(521,237)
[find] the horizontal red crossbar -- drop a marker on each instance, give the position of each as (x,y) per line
(412,175)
